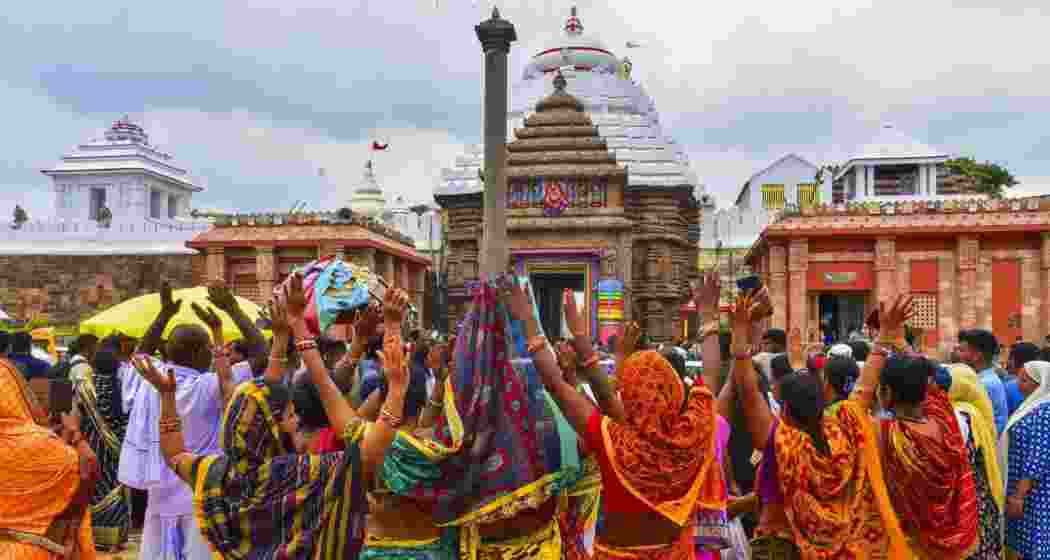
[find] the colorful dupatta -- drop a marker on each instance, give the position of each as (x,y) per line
(665,456)
(501,446)
(837,503)
(968,395)
(931,482)
(259,502)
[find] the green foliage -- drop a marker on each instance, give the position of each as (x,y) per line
(989,178)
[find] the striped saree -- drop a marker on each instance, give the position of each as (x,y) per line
(103,423)
(259,502)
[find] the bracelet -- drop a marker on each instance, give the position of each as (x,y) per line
(591,361)
(536,343)
(170,425)
(435,404)
(306,344)
(279,359)
(880,351)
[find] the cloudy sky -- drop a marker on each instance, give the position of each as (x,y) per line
(254,97)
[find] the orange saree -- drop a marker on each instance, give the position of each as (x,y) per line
(44,513)
(931,482)
(836,503)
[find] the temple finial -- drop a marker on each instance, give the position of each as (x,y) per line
(495,12)
(559,82)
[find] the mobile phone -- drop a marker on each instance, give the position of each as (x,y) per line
(61,396)
(749,283)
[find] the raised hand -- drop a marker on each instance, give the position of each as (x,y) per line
(632,333)
(892,320)
(169,307)
(277,311)
(708,292)
(164,383)
(519,302)
(208,316)
(761,307)
(294,297)
(220,295)
(395,303)
(394,366)
(573,314)
(567,361)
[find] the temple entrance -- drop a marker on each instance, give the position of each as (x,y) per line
(547,288)
(840,314)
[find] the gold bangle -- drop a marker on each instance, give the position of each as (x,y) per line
(279,359)
(435,404)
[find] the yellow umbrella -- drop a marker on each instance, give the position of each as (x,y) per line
(133,317)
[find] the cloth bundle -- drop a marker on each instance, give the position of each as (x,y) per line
(333,287)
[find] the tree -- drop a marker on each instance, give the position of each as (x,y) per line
(988,178)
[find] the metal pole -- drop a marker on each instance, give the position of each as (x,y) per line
(496,34)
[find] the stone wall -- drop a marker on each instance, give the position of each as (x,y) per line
(64,290)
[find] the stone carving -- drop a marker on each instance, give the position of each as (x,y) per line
(969,252)
(609,263)
(885,254)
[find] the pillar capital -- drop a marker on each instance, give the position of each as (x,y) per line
(885,253)
(496,33)
(969,252)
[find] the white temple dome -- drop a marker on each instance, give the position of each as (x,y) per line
(368,196)
(619,107)
(573,49)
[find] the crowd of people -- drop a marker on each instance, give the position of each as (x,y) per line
(500,444)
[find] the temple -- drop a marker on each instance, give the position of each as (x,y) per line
(600,202)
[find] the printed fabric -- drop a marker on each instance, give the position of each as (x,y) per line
(442,548)
(103,424)
(682,549)
(832,499)
(1030,459)
(931,482)
(257,501)
(665,455)
(500,447)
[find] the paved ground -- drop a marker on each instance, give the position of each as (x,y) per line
(131,553)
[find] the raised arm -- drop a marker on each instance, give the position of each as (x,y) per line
(395,368)
(221,355)
(438,360)
(756,413)
(168,309)
(576,408)
(891,337)
(589,367)
(221,297)
(277,365)
(706,297)
(172,444)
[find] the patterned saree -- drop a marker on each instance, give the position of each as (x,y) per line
(501,446)
(259,502)
(103,423)
(931,482)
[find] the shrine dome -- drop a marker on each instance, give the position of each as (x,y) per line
(620,108)
(573,49)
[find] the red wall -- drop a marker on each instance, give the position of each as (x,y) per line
(815,277)
(1006,300)
(924,279)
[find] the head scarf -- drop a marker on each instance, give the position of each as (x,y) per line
(663,455)
(1038,371)
(967,395)
(39,474)
(257,501)
(837,503)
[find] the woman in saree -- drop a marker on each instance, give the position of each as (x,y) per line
(259,500)
(819,483)
(658,465)
(46,481)
(103,423)
(973,410)
(1025,457)
(925,458)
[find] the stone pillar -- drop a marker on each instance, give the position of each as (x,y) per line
(885,270)
(265,272)
(947,318)
(967,255)
(1031,300)
(798,266)
(496,35)
(215,265)
(778,285)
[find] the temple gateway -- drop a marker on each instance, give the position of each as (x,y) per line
(599,200)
